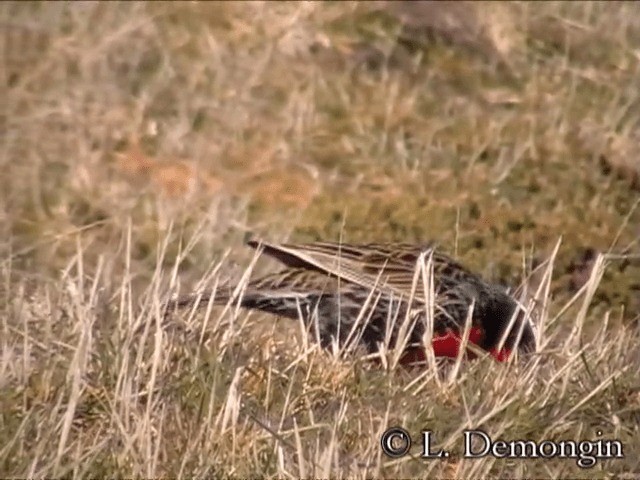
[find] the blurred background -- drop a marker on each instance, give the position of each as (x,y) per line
(494,129)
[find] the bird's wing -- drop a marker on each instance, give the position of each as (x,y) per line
(293,281)
(390,267)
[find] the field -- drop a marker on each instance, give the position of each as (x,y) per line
(143,143)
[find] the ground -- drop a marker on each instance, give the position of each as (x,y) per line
(142,143)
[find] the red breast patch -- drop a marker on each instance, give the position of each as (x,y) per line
(448,345)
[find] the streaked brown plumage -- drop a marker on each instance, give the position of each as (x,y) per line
(362,294)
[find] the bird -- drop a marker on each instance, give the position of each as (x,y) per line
(383,295)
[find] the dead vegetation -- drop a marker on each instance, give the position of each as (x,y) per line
(142,142)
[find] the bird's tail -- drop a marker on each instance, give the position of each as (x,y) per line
(220,296)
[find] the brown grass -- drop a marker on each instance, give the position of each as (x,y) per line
(142,142)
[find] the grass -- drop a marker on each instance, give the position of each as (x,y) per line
(141,143)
